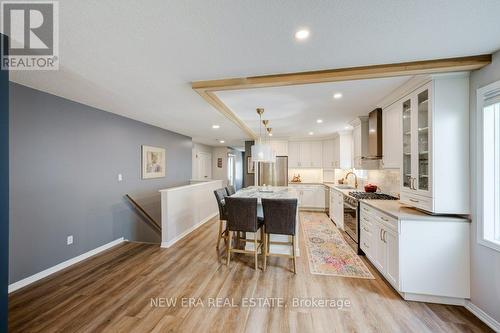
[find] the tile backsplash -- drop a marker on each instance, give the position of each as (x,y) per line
(307,175)
(387,180)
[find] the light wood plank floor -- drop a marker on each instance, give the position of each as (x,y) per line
(112,292)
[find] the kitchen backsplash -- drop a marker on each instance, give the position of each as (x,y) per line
(307,175)
(388,181)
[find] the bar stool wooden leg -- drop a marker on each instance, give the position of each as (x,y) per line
(293,256)
(228,249)
(219,234)
(264,250)
(256,251)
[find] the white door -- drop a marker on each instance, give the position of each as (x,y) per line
(204,165)
(316,154)
(392,263)
(305,159)
(328,154)
(379,248)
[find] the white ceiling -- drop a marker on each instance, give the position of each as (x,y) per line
(293,110)
(137,58)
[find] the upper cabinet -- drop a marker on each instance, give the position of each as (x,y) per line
(435,154)
(328,154)
(305,154)
(280,148)
(391,136)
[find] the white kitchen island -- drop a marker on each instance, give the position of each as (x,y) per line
(272,192)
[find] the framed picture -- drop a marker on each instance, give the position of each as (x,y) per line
(153,162)
(250,165)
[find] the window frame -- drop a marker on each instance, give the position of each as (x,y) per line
(480,167)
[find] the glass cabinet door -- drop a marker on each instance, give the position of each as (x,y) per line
(423,140)
(407,139)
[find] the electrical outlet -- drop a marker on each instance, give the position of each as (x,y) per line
(69,240)
(120,177)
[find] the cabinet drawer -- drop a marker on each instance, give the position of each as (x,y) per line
(366,244)
(417,201)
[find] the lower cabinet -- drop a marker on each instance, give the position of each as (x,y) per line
(425,258)
(311,196)
(337,208)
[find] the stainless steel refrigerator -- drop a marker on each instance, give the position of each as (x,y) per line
(275,174)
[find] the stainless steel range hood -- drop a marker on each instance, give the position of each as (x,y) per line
(374,135)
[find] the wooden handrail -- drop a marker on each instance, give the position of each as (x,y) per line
(150,220)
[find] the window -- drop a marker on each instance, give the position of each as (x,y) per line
(489,166)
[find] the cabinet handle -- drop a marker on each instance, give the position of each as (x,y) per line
(364,218)
(366,245)
(383,218)
(380,236)
(366,229)
(413,200)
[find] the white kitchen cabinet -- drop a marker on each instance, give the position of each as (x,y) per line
(391,136)
(280,148)
(337,208)
(305,154)
(435,155)
(294,154)
(310,196)
(328,154)
(425,258)
(342,150)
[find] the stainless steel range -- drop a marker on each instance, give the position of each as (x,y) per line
(351,212)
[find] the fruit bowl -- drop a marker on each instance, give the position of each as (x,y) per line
(370,188)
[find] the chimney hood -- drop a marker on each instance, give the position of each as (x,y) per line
(374,135)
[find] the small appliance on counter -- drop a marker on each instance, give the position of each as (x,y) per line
(296,179)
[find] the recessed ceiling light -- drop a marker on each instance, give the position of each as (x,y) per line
(221,141)
(319,121)
(302,34)
(270,134)
(215,126)
(311,133)
(337,95)
(348,127)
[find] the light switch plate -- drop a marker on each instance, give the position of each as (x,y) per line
(69,240)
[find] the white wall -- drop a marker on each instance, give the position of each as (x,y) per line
(485,262)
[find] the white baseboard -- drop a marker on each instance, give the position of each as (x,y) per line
(188,231)
(433,299)
(38,276)
(485,318)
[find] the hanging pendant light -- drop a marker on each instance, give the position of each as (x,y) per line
(261,152)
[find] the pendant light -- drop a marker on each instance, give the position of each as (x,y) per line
(261,152)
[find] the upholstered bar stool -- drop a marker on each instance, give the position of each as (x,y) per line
(220,195)
(230,190)
(280,218)
(242,217)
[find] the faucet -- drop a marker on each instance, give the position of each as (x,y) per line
(355,178)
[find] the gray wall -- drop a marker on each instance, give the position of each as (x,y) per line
(65,158)
(485,262)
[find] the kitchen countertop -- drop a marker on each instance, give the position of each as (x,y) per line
(399,211)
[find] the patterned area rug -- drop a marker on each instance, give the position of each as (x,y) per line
(328,252)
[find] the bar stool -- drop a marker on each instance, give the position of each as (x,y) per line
(242,217)
(280,217)
(230,190)
(220,195)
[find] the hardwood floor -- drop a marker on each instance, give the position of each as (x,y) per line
(113,292)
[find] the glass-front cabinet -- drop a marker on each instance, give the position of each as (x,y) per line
(407,156)
(416,131)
